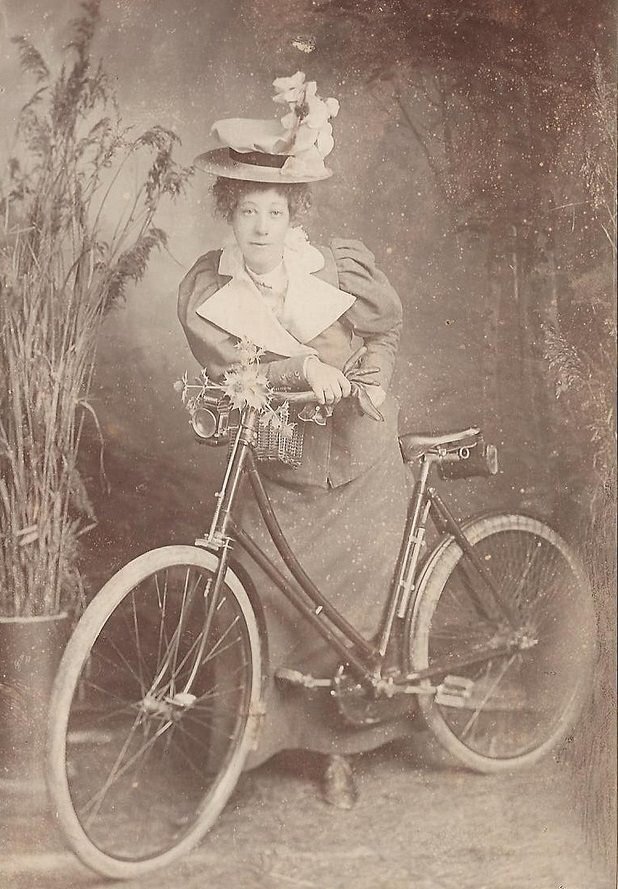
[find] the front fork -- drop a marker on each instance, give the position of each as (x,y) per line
(218,534)
(218,540)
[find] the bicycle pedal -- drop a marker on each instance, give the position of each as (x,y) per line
(454,691)
(302,680)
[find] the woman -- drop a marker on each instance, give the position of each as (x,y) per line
(343,509)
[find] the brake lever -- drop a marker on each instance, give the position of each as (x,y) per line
(360,376)
(353,360)
(365,403)
(364,371)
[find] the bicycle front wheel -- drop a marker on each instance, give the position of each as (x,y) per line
(155,707)
(504,711)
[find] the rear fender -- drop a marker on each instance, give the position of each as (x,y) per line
(427,568)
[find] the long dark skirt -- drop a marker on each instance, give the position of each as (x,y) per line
(347,539)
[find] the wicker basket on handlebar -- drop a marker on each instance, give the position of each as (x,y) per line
(273,444)
(278,438)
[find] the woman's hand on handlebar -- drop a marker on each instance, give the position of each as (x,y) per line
(328,383)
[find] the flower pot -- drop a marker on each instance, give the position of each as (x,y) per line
(30,651)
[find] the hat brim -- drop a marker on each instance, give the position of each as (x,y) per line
(219,163)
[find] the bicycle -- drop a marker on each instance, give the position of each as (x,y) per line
(158,701)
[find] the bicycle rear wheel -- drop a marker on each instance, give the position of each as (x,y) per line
(509,710)
(153,712)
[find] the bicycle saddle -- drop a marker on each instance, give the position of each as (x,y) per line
(414,444)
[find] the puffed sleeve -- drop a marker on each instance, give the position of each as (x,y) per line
(211,346)
(376,316)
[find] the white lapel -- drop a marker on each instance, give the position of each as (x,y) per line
(311,305)
(238,308)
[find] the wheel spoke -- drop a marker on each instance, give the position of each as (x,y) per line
(135,744)
(138,648)
(162,602)
(105,691)
(511,711)
(212,727)
(219,642)
(170,660)
(487,696)
(97,799)
(126,663)
(197,771)
(180,667)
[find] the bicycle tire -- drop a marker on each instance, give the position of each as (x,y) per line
(512,710)
(137,771)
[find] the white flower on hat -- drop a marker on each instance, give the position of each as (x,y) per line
(289,89)
(307,131)
(333,106)
(303,136)
(288,121)
(325,142)
(317,110)
(304,163)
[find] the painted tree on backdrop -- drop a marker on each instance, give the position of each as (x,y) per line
(512,107)
(503,103)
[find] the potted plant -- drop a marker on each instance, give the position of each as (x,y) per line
(65,260)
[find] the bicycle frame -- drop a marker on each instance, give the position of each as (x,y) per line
(364,657)
(163,686)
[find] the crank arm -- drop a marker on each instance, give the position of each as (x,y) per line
(390,687)
(305,680)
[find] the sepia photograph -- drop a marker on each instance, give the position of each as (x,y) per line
(308,444)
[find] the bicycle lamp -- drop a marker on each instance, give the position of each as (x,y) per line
(211,424)
(204,422)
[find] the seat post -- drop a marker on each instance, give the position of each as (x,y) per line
(409,555)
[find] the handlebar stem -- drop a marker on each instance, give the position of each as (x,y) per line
(218,533)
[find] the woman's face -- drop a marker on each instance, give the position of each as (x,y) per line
(260,223)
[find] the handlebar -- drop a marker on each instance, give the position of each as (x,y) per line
(210,407)
(350,369)
(279,396)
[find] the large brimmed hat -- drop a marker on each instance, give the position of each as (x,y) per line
(280,151)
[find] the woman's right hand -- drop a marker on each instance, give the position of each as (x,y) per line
(328,383)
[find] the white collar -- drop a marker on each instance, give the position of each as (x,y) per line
(298,255)
(311,305)
(275,279)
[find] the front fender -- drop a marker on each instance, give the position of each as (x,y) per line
(242,576)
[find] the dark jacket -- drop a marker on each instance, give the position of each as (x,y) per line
(351,442)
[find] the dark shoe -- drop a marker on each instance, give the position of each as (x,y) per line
(338,785)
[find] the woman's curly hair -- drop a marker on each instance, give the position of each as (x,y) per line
(228,193)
